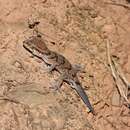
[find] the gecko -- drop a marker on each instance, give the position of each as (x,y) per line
(55,61)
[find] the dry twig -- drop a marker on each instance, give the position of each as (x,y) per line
(119,4)
(8,99)
(116,75)
(121,74)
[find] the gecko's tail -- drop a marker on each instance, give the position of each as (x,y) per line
(84,97)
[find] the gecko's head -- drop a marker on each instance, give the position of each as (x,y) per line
(35,45)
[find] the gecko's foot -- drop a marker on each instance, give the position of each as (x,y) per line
(55,88)
(78,68)
(56,85)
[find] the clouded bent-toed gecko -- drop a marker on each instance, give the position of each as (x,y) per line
(53,60)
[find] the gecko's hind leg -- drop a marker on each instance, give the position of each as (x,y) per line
(56,85)
(78,68)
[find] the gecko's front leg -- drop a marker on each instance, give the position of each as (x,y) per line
(49,68)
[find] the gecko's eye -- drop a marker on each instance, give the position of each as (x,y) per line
(32,47)
(25,42)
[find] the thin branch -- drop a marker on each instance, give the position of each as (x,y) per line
(115,76)
(118,4)
(121,74)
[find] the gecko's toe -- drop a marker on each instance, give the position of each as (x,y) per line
(54,86)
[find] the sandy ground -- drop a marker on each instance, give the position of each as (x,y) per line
(77,29)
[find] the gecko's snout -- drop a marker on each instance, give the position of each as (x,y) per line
(25,41)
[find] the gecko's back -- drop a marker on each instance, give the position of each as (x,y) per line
(35,44)
(37,47)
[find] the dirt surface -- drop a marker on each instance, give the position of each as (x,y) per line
(77,29)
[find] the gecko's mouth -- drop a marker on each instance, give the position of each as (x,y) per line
(30,50)
(27,48)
